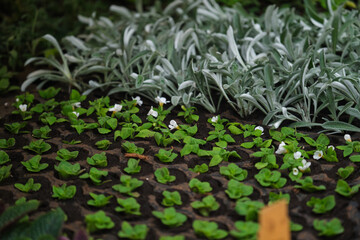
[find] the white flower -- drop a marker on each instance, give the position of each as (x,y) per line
(116,108)
(153,113)
(297,155)
(161,100)
(173,125)
(23,107)
(77,104)
(17,100)
(76,114)
(260,128)
(347,137)
(332,147)
(215,119)
(281,148)
(305,165)
(295,171)
(318,154)
(138,100)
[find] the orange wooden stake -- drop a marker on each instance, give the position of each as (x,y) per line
(274,222)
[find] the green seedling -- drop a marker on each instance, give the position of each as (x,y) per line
(248,208)
(103,144)
(166,156)
(98,160)
(100,106)
(99,200)
(7,143)
(5,172)
(188,114)
(221,135)
(286,134)
(237,190)
(80,126)
(164,138)
(268,158)
(41,132)
(128,206)
(349,148)
(95,176)
(128,185)
(48,93)
(163,175)
(258,142)
(207,205)
(199,187)
(184,131)
(4,157)
(72,142)
(67,170)
(98,221)
(34,165)
(294,227)
(208,230)
(192,145)
(177,237)
(218,155)
(129,112)
(107,124)
(343,188)
(344,173)
(245,230)
(128,130)
(29,186)
(269,178)
(23,110)
(171,198)
(273,197)
(48,106)
(132,166)
(203,168)
(39,146)
(322,205)
(15,127)
(64,192)
(132,148)
(136,232)
(49,118)
(321,144)
(233,171)
(65,155)
(328,228)
(307,185)
(170,217)
(247,130)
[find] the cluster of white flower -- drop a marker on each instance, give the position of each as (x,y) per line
(23,107)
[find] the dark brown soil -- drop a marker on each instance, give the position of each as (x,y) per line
(150,193)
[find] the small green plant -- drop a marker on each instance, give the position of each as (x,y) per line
(192,145)
(49,118)
(99,106)
(107,124)
(34,165)
(322,205)
(258,142)
(208,229)
(136,232)
(64,192)
(268,158)
(188,114)
(321,144)
(177,237)
(48,93)
(16,127)
(98,221)
(273,197)
(5,78)
(95,176)
(307,185)
(128,185)
(41,132)
(163,175)
(4,157)
(207,205)
(65,155)
(233,171)
(245,230)
(343,188)
(72,142)
(166,156)
(218,155)
(128,206)
(247,130)
(285,134)
(248,208)
(238,190)
(67,170)
(29,186)
(170,217)
(221,135)
(99,200)
(98,160)
(199,187)
(269,178)
(39,146)
(203,168)
(328,228)
(344,173)
(171,198)
(7,143)
(5,172)
(132,148)
(103,144)
(132,166)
